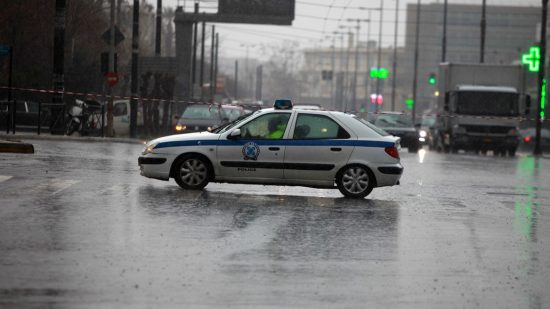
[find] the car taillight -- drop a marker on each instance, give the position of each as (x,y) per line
(527,139)
(392,151)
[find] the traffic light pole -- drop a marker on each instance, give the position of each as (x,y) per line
(415,78)
(541,79)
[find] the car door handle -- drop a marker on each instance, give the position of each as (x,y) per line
(335,149)
(274,148)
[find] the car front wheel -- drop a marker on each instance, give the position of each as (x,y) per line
(355,181)
(192,172)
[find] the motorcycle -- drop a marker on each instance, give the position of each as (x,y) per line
(84,117)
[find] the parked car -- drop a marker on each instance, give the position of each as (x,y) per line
(401,125)
(527,142)
(320,149)
(204,117)
(26,115)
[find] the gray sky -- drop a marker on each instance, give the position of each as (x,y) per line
(316,19)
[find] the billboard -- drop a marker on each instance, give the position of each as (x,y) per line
(281,10)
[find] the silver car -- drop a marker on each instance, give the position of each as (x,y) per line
(321,149)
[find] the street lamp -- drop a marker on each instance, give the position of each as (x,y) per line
(354,87)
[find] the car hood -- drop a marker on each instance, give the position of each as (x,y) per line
(185,137)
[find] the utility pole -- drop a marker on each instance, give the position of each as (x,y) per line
(332,99)
(111,69)
(483,26)
(201,80)
(134,81)
(379,63)
(444,40)
(354,93)
(541,78)
(236,88)
(394,64)
(57,124)
(259,80)
(194,63)
(212,47)
(415,79)
(159,28)
(216,65)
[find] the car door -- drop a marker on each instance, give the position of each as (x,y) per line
(256,155)
(318,147)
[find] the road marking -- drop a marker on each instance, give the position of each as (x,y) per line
(61,185)
(4,178)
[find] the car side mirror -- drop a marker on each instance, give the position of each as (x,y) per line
(235,134)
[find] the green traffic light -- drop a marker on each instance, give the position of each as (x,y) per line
(432,80)
(381,73)
(409,103)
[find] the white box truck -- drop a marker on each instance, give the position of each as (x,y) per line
(479,107)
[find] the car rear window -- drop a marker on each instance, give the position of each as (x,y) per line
(371,126)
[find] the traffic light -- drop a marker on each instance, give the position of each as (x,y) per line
(432,80)
(409,103)
(381,73)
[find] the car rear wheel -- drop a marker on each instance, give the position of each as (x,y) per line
(355,181)
(192,172)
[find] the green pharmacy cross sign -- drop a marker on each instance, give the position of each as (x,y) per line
(381,73)
(532,59)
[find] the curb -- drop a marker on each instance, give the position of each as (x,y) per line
(71,138)
(15,147)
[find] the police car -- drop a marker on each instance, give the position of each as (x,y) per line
(280,146)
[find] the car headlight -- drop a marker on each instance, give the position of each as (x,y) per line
(422,133)
(180,128)
(149,148)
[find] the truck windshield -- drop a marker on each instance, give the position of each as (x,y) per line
(487,103)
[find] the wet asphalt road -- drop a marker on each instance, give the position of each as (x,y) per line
(80,228)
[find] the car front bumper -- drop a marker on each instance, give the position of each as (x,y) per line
(155,166)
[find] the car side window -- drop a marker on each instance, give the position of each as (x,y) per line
(269,126)
(120,109)
(311,126)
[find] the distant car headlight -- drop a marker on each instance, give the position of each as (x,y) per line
(149,148)
(422,133)
(180,128)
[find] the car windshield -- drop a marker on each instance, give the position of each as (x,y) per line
(230,113)
(372,127)
(226,126)
(487,103)
(201,112)
(393,121)
(428,121)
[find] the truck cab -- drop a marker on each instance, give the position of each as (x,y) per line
(480,108)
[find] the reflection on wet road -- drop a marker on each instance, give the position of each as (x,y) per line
(80,227)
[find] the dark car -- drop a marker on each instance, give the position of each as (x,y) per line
(527,142)
(26,115)
(427,131)
(401,125)
(204,117)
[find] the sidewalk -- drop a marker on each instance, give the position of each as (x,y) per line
(16,143)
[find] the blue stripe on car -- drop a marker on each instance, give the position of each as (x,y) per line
(287,142)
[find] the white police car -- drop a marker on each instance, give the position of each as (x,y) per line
(280,146)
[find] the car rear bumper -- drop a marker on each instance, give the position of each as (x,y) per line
(388,175)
